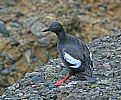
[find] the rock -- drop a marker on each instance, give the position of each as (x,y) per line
(10,56)
(117,85)
(12,88)
(1,67)
(38,79)
(5,72)
(94,85)
(105,38)
(7,91)
(53,96)
(10,3)
(111,75)
(108,67)
(15,42)
(18,13)
(28,55)
(20,94)
(51,86)
(16,85)
(26,83)
(30,21)
(3,30)
(16,25)
(44,41)
(36,29)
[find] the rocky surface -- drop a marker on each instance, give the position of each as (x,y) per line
(22,45)
(39,85)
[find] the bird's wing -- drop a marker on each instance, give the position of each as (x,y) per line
(72,57)
(74,63)
(87,55)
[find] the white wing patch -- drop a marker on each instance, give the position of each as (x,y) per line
(71,60)
(91,56)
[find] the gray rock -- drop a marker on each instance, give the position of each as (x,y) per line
(36,29)
(44,41)
(6,11)
(5,72)
(15,42)
(111,75)
(3,30)
(20,94)
(51,86)
(28,55)
(34,25)
(105,38)
(18,13)
(10,56)
(30,21)
(17,85)
(1,67)
(16,25)
(118,86)
(26,83)
(38,78)
(10,3)
(107,65)
(7,91)
(53,96)
(12,88)
(1,97)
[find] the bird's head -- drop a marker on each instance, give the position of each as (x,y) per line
(55,27)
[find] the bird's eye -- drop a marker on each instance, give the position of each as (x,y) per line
(54,26)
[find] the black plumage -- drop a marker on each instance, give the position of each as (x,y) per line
(73,52)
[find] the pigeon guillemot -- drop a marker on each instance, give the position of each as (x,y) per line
(73,53)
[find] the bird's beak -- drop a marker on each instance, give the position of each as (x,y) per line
(45,30)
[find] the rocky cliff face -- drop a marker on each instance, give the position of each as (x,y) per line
(38,85)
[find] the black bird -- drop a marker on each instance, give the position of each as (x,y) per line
(73,53)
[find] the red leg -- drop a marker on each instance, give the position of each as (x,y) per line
(63,80)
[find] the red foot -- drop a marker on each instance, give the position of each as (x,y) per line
(63,80)
(59,82)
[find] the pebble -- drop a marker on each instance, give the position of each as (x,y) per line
(34,86)
(5,72)
(28,55)
(10,3)
(111,75)
(20,94)
(53,96)
(108,67)
(4,30)
(17,85)
(26,83)
(10,56)
(15,25)
(39,78)
(15,42)
(1,97)
(51,86)
(118,86)
(7,91)
(12,88)
(1,67)
(18,13)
